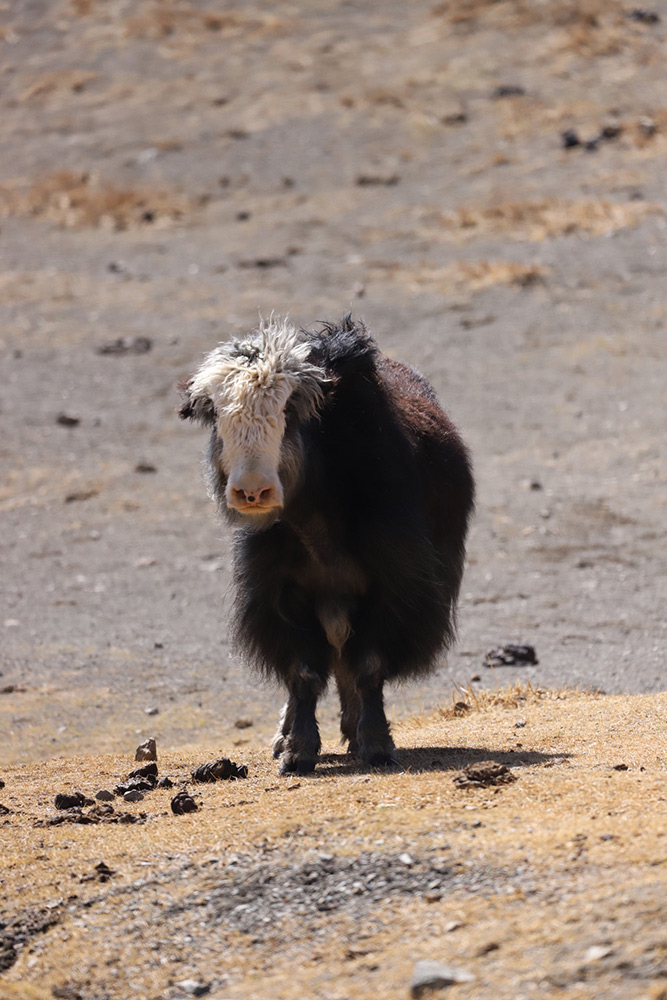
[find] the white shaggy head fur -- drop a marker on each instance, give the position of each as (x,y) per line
(249,383)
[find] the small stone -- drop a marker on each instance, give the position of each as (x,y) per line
(4,810)
(453,925)
(146,750)
(431,975)
(134,795)
(406,859)
(644,16)
(194,988)
(154,710)
(508,90)
(145,467)
(520,724)
(165,783)
(104,795)
(66,420)
(569,139)
(620,767)
(647,127)
(127,345)
(243,724)
(597,952)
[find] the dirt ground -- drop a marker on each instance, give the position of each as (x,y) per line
(553,885)
(172,169)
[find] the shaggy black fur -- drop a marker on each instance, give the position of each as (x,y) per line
(360,574)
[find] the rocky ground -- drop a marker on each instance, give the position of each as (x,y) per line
(480,181)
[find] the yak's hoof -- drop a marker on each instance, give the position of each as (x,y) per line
(296,765)
(379,754)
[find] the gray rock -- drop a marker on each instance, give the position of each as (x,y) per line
(133,795)
(147,750)
(193,988)
(104,795)
(431,975)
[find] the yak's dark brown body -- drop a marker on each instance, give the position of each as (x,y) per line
(359,575)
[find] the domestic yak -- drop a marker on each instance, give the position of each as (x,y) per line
(350,492)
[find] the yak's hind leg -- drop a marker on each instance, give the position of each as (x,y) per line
(298,738)
(350,707)
(376,746)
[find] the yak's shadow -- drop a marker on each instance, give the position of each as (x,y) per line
(419,760)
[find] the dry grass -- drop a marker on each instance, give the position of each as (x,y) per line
(471,275)
(515,695)
(547,218)
(82,200)
(160,19)
(62,80)
(568,857)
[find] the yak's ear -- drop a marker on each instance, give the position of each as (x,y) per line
(198,408)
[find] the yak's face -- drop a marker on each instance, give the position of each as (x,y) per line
(247,391)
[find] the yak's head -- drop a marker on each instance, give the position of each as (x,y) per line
(256,394)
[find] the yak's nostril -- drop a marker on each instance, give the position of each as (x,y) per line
(264,496)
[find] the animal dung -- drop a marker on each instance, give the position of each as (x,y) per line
(102,812)
(72,800)
(146,750)
(223,769)
(183,803)
(143,779)
(509,655)
(483,773)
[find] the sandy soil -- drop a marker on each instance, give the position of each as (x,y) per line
(334,886)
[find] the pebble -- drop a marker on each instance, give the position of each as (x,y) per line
(597,952)
(431,975)
(134,795)
(104,795)
(194,988)
(146,750)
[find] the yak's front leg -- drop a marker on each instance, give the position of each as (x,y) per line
(285,723)
(298,738)
(376,746)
